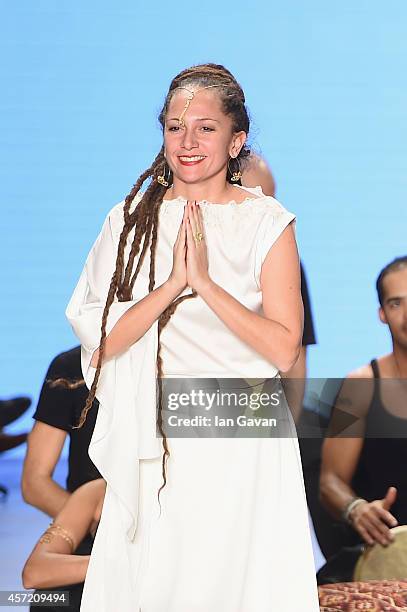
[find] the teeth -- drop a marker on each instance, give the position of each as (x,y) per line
(194,158)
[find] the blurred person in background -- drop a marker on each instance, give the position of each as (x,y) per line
(363,482)
(11,410)
(53,561)
(57,412)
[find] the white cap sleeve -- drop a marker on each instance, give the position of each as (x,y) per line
(272,226)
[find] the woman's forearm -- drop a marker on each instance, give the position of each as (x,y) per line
(137,320)
(50,569)
(267,337)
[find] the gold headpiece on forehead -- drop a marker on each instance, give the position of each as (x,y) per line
(190,97)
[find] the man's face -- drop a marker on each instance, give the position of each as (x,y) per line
(394,309)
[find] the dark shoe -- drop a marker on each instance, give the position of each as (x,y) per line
(12,409)
(9,441)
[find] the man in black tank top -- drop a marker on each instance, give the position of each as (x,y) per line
(363,482)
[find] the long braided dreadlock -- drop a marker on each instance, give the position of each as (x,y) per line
(144,218)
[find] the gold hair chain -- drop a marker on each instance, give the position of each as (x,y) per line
(191,95)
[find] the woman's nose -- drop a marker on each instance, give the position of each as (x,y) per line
(189,139)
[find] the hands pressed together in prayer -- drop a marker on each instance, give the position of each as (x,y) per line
(190,258)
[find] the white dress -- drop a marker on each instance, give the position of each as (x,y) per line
(233,534)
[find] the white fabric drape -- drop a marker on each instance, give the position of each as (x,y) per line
(233,534)
(125,427)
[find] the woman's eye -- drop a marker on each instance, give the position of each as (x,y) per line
(177,128)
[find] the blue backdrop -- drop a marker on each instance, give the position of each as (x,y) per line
(82,83)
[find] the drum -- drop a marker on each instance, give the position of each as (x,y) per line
(389,562)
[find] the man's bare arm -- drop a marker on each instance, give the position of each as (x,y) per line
(340,457)
(44,448)
(341,454)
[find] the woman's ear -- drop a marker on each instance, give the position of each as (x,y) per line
(238,140)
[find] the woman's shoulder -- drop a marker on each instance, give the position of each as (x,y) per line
(266,203)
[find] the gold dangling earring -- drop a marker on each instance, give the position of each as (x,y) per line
(161,177)
(235,176)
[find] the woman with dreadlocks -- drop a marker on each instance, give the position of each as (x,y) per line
(195,277)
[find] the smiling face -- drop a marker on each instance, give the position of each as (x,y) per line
(198,148)
(394,309)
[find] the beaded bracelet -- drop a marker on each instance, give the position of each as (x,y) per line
(355,501)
